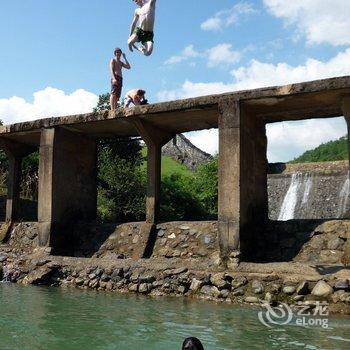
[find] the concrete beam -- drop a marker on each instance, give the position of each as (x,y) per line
(67,184)
(154,138)
(229,180)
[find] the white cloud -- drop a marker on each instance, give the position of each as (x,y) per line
(320,21)
(286,141)
(206,140)
(217,55)
(222,54)
(187,52)
(229,17)
(49,102)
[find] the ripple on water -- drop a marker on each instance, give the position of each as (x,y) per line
(49,318)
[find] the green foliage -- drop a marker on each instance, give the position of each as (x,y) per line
(178,201)
(205,186)
(121,190)
(169,165)
(103,103)
(330,151)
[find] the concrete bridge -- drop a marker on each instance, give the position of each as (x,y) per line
(67,165)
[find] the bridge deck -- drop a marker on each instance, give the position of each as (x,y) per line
(320,99)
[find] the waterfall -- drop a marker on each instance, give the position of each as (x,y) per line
(301,184)
(6,275)
(290,199)
(344,196)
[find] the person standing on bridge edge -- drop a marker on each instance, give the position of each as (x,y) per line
(116,65)
(142,27)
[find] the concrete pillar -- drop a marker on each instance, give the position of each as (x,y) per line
(243,200)
(13,188)
(154,138)
(229,177)
(67,184)
(15,151)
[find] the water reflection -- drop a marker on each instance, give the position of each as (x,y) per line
(49,318)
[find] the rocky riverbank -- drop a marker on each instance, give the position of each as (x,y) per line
(293,283)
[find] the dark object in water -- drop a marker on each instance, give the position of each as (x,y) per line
(192,343)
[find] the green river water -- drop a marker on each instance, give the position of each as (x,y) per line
(53,318)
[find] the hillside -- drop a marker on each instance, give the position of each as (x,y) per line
(329,151)
(169,166)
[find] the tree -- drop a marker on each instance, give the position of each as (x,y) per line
(121,182)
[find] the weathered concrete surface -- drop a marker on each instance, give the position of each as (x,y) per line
(67,184)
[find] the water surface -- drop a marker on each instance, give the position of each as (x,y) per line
(53,318)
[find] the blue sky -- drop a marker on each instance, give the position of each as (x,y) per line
(54,55)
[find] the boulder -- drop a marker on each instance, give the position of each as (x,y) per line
(342,285)
(257,287)
(210,291)
(218,280)
(40,276)
(322,289)
(251,300)
(289,290)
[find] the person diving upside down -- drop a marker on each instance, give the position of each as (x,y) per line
(142,27)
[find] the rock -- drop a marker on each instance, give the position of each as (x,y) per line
(41,262)
(257,287)
(172,236)
(211,291)
(117,275)
(105,277)
(268,297)
(182,289)
(195,285)
(224,293)
(238,292)
(184,227)
(135,240)
(79,281)
(251,300)
(298,298)
(322,289)
(178,271)
(335,243)
(336,297)
(145,288)
(342,285)
(146,278)
(239,282)
(41,275)
(133,287)
(275,288)
(303,288)
(218,280)
(2,258)
(98,272)
(289,290)
(161,233)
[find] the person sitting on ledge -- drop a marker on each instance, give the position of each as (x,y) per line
(192,343)
(136,97)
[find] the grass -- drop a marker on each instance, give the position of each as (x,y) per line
(169,166)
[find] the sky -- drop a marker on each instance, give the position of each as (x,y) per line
(54,57)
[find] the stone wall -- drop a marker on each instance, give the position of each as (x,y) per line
(184,152)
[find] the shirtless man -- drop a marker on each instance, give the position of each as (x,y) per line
(116,65)
(142,26)
(136,97)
